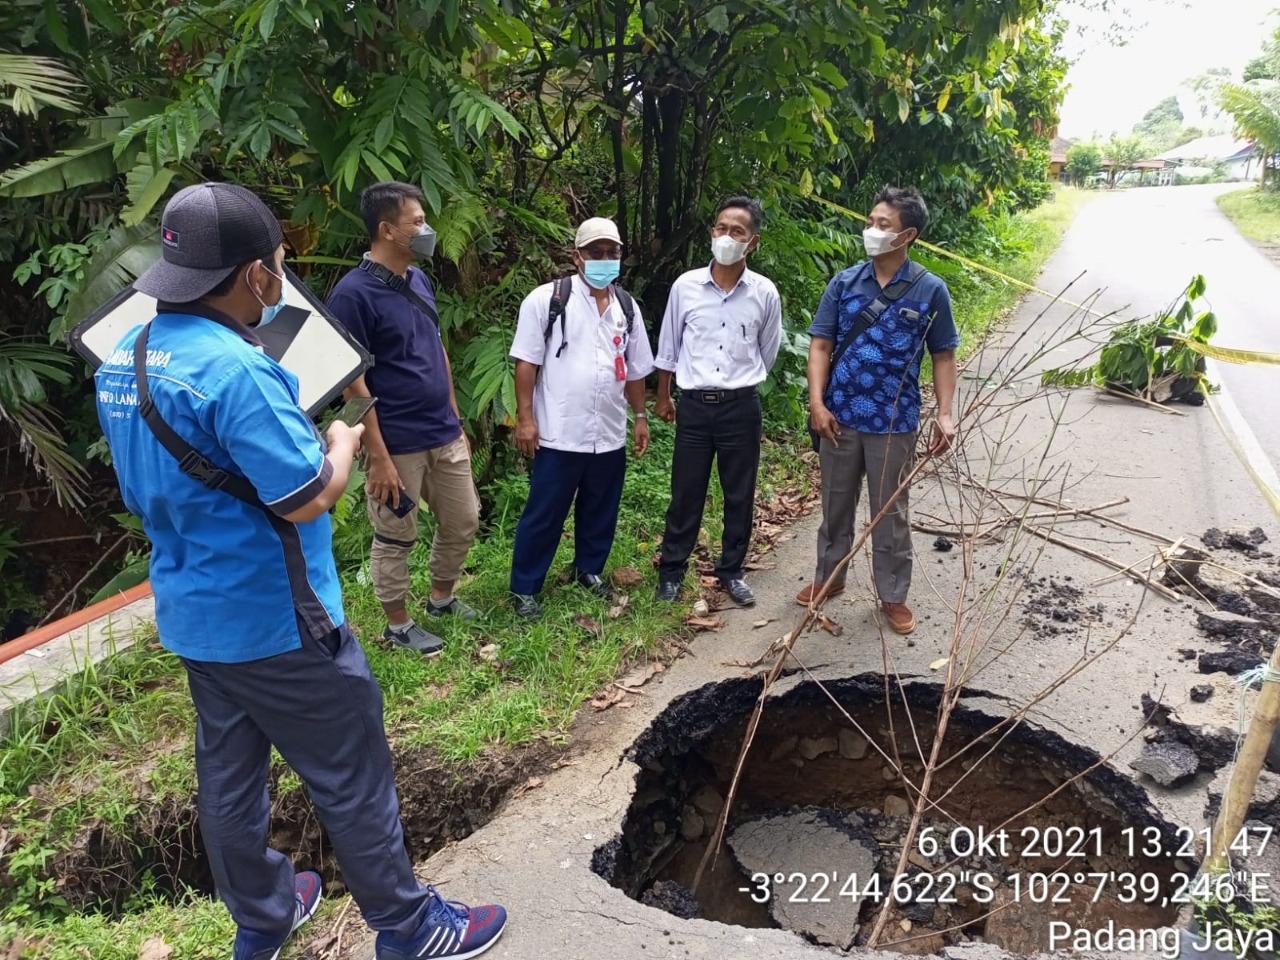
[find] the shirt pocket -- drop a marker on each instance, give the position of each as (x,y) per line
(743,338)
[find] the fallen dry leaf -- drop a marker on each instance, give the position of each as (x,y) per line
(704,623)
(616,612)
(608,697)
(155,949)
(627,577)
(640,676)
(586,623)
(762,623)
(531,784)
(937,664)
(759,566)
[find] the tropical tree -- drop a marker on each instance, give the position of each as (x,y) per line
(1083,161)
(1123,153)
(1255,108)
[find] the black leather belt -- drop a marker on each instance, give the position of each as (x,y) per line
(719,396)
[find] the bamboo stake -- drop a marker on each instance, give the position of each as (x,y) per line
(1244,775)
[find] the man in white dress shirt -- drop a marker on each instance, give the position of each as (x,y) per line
(581,355)
(720,336)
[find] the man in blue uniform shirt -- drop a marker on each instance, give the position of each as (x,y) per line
(868,413)
(246,590)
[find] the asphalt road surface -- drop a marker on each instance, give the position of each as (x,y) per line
(1142,246)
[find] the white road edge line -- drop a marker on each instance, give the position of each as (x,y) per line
(1242,438)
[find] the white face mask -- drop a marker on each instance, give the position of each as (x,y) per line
(727,250)
(878,241)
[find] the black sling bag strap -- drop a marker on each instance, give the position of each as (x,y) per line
(866,319)
(313,619)
(397,283)
(190,460)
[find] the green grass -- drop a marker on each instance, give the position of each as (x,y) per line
(1255,212)
(116,743)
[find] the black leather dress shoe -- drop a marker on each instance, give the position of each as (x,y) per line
(668,591)
(594,583)
(739,592)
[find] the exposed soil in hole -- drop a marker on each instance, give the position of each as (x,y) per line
(818,800)
(439,802)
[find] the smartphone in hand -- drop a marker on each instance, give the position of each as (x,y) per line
(404,505)
(354,410)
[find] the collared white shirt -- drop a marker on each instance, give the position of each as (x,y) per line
(714,340)
(579,402)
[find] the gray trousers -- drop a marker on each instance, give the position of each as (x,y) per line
(884,459)
(322,709)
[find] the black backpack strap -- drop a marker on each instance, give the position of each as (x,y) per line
(869,314)
(190,460)
(561,291)
(628,307)
(397,283)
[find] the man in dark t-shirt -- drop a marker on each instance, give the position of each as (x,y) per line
(413,436)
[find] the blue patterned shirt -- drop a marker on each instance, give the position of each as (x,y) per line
(876,386)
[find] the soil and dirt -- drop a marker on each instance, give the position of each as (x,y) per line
(104,866)
(813,786)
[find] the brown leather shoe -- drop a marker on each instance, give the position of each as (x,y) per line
(900,617)
(806,594)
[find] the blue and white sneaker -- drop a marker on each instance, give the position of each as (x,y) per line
(307,888)
(449,929)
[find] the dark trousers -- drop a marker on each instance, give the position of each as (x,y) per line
(595,480)
(729,433)
(322,709)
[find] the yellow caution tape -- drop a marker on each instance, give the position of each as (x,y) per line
(1229,354)
(1226,354)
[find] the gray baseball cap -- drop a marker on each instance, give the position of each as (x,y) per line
(206,232)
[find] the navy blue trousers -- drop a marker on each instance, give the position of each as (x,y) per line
(322,709)
(595,479)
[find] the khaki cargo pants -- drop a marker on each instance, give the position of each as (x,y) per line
(441,477)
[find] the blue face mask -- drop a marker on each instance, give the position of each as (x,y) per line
(269,313)
(601,273)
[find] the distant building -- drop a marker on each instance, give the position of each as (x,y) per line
(1058,148)
(1241,158)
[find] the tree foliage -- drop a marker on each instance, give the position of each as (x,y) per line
(1083,161)
(517,118)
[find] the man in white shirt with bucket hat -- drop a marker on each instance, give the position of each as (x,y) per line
(581,355)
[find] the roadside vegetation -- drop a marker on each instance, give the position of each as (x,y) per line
(1255,212)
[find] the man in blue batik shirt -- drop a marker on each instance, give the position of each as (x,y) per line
(868,414)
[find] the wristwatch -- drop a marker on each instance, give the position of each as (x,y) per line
(640,414)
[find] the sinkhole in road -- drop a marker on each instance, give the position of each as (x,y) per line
(815,831)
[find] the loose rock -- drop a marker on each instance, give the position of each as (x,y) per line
(895,806)
(1232,660)
(708,800)
(853,745)
(692,826)
(811,748)
(1166,763)
(807,843)
(1201,692)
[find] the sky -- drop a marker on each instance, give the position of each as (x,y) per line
(1168,42)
